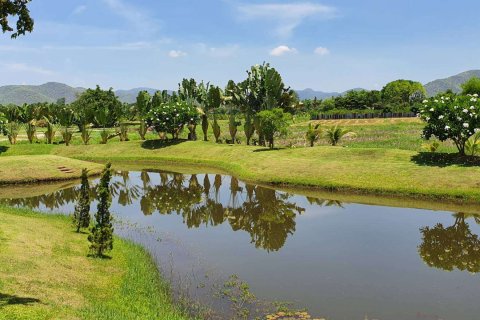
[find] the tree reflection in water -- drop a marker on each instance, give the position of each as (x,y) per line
(450,248)
(266,214)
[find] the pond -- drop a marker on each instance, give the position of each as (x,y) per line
(338,260)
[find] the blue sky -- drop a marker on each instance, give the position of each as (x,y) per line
(325,45)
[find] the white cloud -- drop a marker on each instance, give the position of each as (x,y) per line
(321,51)
(281,50)
(287,16)
(177,54)
(22,67)
(79,10)
(138,18)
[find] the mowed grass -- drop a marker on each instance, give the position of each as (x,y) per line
(42,168)
(45,274)
(363,170)
(383,159)
(395,133)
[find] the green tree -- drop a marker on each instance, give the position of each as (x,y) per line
(273,122)
(88,105)
(313,134)
(401,91)
(81,216)
(171,117)
(66,119)
(143,107)
(101,234)
(16,8)
(454,118)
(472,86)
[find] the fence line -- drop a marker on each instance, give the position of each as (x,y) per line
(363,116)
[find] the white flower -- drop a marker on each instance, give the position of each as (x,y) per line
(472,108)
(435,100)
(459,119)
(432,109)
(475,95)
(465,111)
(443,98)
(465,125)
(447,98)
(447,127)
(456,107)
(425,101)
(427,118)
(441,117)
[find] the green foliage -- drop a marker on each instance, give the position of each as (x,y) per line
(472,86)
(16,8)
(248,128)
(86,134)
(335,134)
(313,134)
(143,107)
(233,124)
(81,215)
(99,107)
(122,131)
(401,91)
(431,146)
(454,118)
(273,122)
(101,233)
(171,117)
(216,129)
(472,146)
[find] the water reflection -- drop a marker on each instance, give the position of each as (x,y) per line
(450,248)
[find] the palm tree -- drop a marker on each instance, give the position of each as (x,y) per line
(313,134)
(335,134)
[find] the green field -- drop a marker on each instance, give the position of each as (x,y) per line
(384,159)
(45,274)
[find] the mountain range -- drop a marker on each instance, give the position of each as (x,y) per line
(53,91)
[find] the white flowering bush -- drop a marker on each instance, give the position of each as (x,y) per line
(451,117)
(172,117)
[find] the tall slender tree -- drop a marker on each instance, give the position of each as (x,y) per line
(81,216)
(101,234)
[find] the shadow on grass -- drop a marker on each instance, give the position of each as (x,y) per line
(6,300)
(266,149)
(159,144)
(3,149)
(445,160)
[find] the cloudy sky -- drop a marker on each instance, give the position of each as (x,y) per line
(325,45)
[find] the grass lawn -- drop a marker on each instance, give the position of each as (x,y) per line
(45,274)
(383,159)
(42,168)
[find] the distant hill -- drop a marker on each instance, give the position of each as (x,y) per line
(130,96)
(53,91)
(312,94)
(48,92)
(453,83)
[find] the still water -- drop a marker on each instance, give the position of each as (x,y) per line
(339,260)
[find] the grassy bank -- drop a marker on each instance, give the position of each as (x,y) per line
(42,168)
(45,274)
(360,170)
